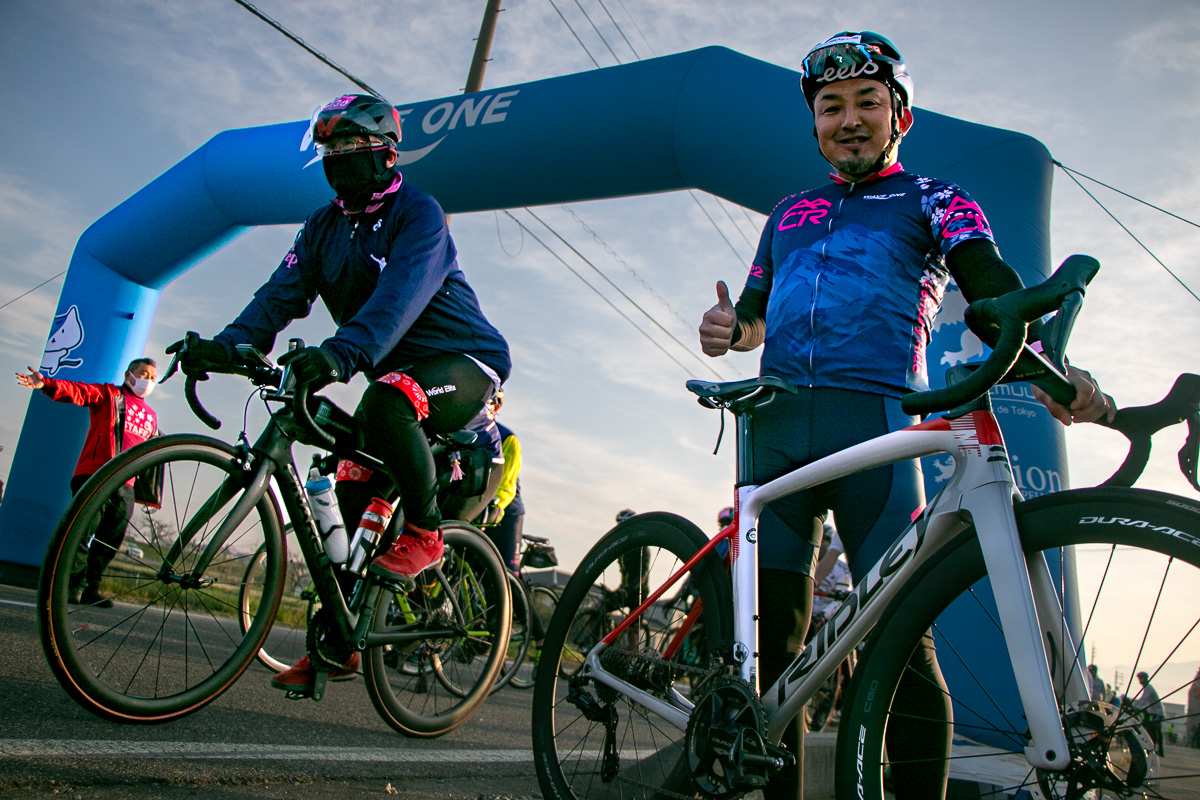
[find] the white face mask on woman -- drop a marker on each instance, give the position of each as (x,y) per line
(141,387)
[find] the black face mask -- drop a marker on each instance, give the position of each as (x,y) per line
(358,175)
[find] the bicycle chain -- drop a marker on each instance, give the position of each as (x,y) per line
(616,653)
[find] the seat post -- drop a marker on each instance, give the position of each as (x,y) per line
(745,444)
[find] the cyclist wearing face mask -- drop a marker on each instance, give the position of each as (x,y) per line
(381,258)
(842,294)
(120,418)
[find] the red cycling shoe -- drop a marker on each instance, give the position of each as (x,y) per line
(414,550)
(300,676)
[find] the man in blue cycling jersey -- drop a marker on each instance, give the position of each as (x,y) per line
(842,294)
(379,255)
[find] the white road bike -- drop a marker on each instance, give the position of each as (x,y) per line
(1109,567)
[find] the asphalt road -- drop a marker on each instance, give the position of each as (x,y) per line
(250,743)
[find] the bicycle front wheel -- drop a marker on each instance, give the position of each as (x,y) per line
(461,611)
(284,645)
(590,741)
(542,602)
(168,641)
(1128,562)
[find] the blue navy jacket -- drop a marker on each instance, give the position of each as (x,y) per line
(391,282)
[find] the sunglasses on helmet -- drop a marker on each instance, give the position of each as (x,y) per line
(844,60)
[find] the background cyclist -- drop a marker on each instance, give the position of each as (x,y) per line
(506,512)
(883,243)
(379,255)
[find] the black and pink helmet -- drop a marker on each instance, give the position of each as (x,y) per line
(356,115)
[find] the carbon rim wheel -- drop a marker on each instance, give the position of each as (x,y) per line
(1135,558)
(170,642)
(434,683)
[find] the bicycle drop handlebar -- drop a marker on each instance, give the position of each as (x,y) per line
(252,364)
(1002,322)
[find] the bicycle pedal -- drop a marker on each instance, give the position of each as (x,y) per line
(317,687)
(299,694)
(399,583)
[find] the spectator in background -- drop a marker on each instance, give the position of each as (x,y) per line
(1148,703)
(1193,710)
(120,418)
(1099,690)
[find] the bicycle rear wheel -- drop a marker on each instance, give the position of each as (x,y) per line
(170,643)
(460,613)
(284,645)
(542,602)
(1134,556)
(589,741)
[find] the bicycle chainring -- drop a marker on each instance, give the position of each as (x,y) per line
(726,741)
(1112,756)
(325,649)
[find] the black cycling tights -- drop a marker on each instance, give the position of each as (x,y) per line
(918,737)
(457,388)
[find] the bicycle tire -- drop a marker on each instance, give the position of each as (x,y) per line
(647,753)
(518,637)
(542,602)
(1114,539)
(170,643)
(408,684)
(284,645)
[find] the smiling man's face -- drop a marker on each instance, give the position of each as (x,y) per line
(854,125)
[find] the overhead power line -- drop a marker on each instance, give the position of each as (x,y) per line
(575,272)
(598,33)
(576,35)
(631,301)
(319,55)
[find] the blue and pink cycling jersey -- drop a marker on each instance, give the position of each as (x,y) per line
(855,274)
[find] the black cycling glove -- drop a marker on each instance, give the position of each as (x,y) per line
(311,365)
(198,355)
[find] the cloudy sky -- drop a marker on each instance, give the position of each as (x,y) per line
(102,97)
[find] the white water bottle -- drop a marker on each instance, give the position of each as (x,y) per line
(329,519)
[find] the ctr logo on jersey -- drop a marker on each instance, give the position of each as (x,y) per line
(804,211)
(963,216)
(382,262)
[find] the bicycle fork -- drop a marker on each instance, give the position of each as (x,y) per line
(1028,597)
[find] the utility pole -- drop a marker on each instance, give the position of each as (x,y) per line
(483,46)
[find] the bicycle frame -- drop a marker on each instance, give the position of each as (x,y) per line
(270,458)
(981,490)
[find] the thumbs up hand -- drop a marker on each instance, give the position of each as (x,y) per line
(716,329)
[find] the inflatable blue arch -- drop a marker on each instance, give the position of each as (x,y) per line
(710,119)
